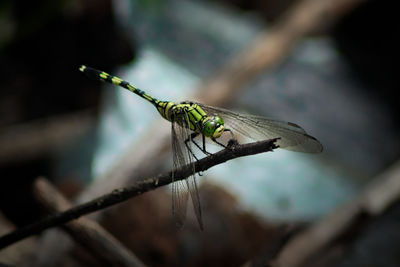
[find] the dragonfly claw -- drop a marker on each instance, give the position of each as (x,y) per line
(232,143)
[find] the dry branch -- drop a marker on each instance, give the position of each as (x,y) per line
(85,231)
(120,195)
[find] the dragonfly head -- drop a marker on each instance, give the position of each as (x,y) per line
(213,126)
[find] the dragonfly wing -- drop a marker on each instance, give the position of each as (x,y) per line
(181,156)
(292,137)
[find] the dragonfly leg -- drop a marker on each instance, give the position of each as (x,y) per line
(204,146)
(229,130)
(190,138)
(218,143)
(204,142)
(203,149)
(233,140)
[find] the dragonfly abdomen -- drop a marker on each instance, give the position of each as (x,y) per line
(105,77)
(165,108)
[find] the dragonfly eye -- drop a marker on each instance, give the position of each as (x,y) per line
(213,127)
(218,120)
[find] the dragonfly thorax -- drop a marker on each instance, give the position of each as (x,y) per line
(213,126)
(190,115)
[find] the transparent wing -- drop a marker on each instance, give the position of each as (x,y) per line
(292,137)
(181,188)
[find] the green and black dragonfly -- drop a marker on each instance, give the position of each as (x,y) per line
(190,119)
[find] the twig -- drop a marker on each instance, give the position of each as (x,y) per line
(120,195)
(85,231)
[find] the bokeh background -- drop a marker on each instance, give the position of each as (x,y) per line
(338,81)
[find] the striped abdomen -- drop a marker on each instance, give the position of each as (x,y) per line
(163,107)
(186,114)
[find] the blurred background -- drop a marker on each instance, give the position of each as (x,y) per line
(332,73)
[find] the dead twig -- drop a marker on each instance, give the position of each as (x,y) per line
(85,231)
(120,195)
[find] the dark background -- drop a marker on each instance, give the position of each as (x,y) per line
(44,42)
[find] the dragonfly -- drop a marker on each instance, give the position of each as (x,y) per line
(191,119)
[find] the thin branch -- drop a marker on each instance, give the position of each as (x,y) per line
(120,195)
(88,233)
